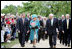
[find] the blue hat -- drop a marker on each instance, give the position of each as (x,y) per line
(34,15)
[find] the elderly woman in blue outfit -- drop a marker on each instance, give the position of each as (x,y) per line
(34,26)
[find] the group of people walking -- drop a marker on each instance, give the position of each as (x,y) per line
(35,28)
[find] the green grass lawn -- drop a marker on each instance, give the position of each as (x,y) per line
(13,42)
(9,45)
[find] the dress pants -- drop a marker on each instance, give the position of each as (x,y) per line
(27,37)
(52,40)
(39,34)
(67,37)
(21,38)
(43,34)
(61,37)
(46,36)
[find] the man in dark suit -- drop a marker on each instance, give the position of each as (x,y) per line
(21,28)
(67,30)
(61,32)
(40,29)
(28,29)
(28,32)
(51,25)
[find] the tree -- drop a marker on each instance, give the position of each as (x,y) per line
(9,9)
(43,8)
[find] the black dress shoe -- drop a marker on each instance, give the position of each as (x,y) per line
(68,45)
(65,44)
(51,46)
(31,42)
(62,43)
(34,46)
(22,45)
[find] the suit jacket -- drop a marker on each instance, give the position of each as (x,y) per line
(22,27)
(65,26)
(60,25)
(41,27)
(28,23)
(41,23)
(51,29)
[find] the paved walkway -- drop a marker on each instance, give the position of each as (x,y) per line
(42,44)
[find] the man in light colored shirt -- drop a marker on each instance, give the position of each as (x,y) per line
(51,25)
(67,30)
(52,22)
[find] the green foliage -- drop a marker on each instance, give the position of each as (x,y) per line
(43,8)
(9,9)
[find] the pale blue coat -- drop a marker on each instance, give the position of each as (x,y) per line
(32,31)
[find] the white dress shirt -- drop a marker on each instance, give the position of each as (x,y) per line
(52,22)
